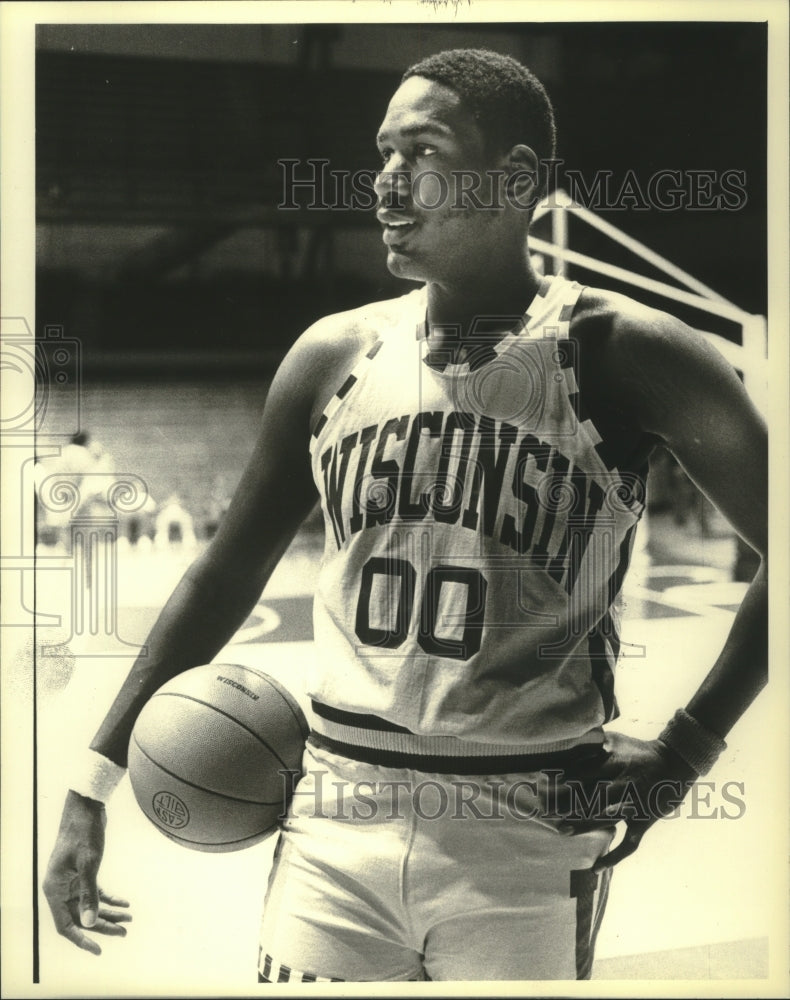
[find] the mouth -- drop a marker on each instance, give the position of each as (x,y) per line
(395,228)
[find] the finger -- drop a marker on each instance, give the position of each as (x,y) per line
(572,827)
(117,918)
(106,897)
(593,766)
(624,849)
(75,935)
(60,912)
(87,869)
(608,817)
(108,927)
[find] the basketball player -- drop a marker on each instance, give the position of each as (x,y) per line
(479,446)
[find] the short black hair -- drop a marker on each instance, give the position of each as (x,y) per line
(507,100)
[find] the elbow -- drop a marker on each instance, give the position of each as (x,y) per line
(751,567)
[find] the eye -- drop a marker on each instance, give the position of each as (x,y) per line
(385,153)
(423,149)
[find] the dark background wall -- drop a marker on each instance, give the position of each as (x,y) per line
(158,181)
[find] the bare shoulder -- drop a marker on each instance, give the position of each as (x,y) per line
(623,323)
(327,351)
(665,376)
(674,385)
(650,359)
(631,333)
(353,330)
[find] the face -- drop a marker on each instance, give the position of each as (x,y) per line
(432,148)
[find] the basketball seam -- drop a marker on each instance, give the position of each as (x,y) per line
(199,701)
(218,843)
(273,684)
(200,788)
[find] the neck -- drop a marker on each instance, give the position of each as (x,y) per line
(504,294)
(457,313)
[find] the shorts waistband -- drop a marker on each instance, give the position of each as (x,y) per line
(373,740)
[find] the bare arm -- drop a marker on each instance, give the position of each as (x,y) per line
(674,386)
(682,390)
(214,597)
(223,585)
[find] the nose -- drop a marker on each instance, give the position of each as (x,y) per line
(393,182)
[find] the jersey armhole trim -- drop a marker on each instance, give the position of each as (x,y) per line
(357,373)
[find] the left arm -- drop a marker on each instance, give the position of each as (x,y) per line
(683,391)
(678,388)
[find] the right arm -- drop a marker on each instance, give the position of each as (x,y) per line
(220,589)
(212,600)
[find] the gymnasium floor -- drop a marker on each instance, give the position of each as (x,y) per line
(693,903)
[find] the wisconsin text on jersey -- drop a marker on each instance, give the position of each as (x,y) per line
(490,486)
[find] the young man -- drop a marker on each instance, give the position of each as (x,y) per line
(479,447)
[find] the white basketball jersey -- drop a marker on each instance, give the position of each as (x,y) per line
(476,538)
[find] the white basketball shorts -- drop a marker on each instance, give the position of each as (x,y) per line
(391,874)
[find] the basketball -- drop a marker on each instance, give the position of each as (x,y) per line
(214,756)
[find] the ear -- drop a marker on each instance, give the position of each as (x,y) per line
(522,171)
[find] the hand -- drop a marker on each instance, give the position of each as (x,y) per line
(637,781)
(70,883)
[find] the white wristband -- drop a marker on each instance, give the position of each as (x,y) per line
(95,776)
(692,741)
